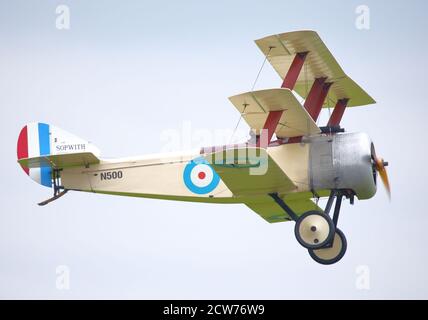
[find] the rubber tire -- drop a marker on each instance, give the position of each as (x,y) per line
(337,257)
(320,244)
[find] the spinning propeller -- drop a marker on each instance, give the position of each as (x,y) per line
(379,165)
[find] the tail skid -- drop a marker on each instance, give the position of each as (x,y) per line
(59,190)
(56,196)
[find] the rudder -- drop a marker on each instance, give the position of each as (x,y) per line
(42,141)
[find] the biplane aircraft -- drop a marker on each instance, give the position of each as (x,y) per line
(280,179)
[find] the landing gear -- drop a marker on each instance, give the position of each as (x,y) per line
(314,230)
(56,182)
(331,253)
(317,232)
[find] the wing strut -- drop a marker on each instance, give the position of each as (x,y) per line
(274,116)
(337,114)
(314,101)
(284,206)
(294,71)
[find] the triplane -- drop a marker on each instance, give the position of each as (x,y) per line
(276,178)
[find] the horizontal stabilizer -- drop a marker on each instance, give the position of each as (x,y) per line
(60,161)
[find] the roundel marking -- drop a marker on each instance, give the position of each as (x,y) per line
(199,177)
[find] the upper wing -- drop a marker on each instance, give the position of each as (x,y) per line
(249,171)
(280,50)
(256,105)
(269,210)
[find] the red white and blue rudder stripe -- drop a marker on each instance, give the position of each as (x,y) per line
(34,141)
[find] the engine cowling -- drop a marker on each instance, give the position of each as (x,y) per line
(342,161)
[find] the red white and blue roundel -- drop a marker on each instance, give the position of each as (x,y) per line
(199,177)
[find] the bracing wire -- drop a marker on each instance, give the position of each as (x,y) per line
(252,88)
(237,124)
(261,68)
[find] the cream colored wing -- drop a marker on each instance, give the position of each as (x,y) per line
(269,210)
(319,63)
(256,105)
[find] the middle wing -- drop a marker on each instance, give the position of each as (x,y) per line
(256,105)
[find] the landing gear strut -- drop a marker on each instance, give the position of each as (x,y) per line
(333,251)
(59,190)
(317,232)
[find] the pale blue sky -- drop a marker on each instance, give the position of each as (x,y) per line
(127,71)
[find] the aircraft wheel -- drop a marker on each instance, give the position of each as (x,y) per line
(314,229)
(333,253)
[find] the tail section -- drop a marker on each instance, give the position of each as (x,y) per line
(42,147)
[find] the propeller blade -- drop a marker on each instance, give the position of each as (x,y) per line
(380,167)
